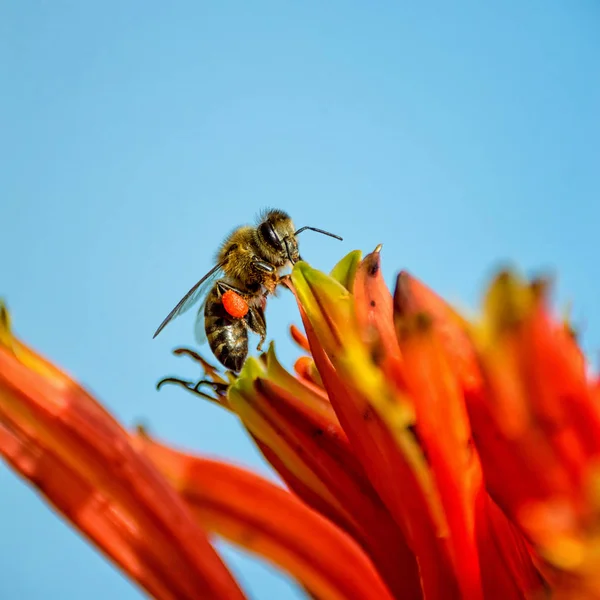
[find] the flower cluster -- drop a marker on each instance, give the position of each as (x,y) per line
(424,455)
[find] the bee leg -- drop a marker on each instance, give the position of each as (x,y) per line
(188,385)
(219,388)
(255,319)
(223,287)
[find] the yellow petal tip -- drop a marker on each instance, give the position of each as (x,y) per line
(345,270)
(5,330)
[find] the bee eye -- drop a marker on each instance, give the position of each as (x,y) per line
(268,235)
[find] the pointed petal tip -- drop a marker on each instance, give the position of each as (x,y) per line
(372,262)
(5,328)
(402,294)
(4,317)
(508,284)
(508,300)
(298,336)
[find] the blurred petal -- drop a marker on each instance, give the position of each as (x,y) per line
(307,371)
(271,522)
(412,297)
(537,417)
(507,568)
(55,435)
(299,338)
(439,361)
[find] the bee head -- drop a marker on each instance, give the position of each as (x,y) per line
(277,239)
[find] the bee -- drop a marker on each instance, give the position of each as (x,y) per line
(233,293)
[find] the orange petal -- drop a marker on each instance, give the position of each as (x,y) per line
(499,543)
(531,394)
(537,418)
(412,297)
(314,451)
(93,513)
(299,338)
(374,313)
(307,371)
(378,422)
(61,440)
(507,569)
(271,522)
(444,433)
(313,397)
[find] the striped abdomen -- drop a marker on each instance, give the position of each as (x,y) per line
(227,337)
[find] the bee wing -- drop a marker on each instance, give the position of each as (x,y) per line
(199,326)
(200,290)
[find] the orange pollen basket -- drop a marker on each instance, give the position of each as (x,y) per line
(234,304)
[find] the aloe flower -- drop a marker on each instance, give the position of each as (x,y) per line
(422,454)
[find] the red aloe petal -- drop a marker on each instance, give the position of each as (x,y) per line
(335,465)
(526,404)
(394,480)
(305,492)
(447,424)
(537,418)
(444,433)
(268,520)
(374,313)
(314,449)
(412,297)
(386,546)
(378,423)
(560,391)
(307,371)
(313,397)
(51,427)
(299,338)
(100,519)
(507,567)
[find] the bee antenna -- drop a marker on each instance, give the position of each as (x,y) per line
(337,237)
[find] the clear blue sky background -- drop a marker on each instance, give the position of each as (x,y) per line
(134,135)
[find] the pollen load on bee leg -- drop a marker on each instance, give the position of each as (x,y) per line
(234,304)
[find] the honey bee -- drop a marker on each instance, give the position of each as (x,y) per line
(233,293)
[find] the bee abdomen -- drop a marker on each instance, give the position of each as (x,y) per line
(214,307)
(227,337)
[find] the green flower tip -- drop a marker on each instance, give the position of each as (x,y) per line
(326,302)
(253,369)
(345,270)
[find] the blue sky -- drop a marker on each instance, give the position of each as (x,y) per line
(136,135)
